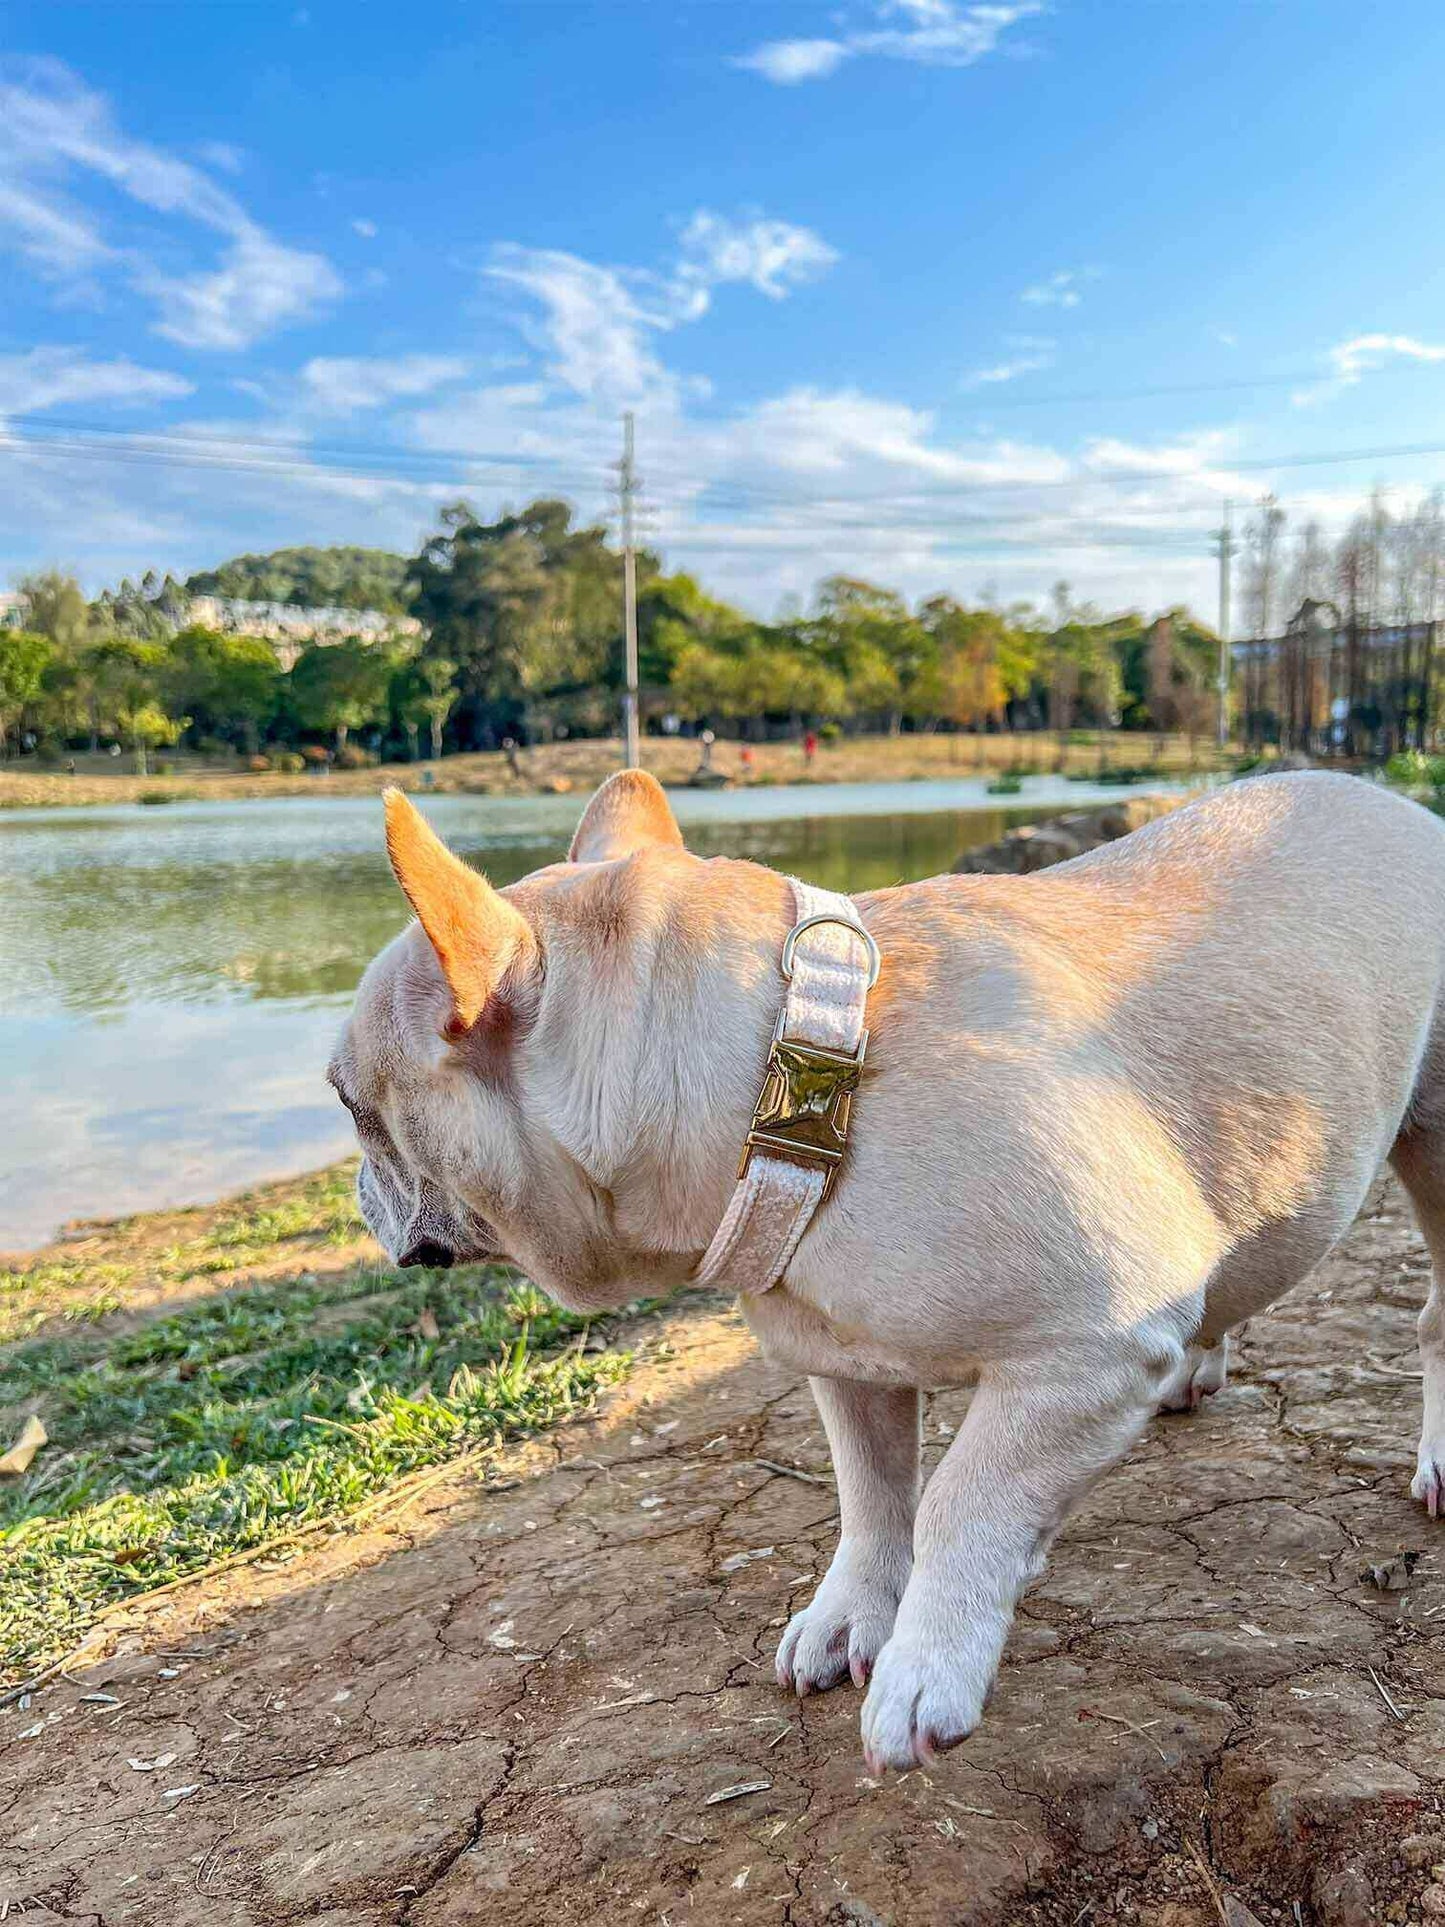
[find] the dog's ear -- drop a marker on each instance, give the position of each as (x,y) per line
(628,813)
(476,934)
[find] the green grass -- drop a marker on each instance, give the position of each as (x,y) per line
(255,1410)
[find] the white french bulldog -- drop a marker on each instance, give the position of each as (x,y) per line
(1109,1111)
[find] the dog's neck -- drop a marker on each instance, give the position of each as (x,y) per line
(663,1064)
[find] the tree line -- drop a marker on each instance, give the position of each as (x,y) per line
(1384,570)
(521,636)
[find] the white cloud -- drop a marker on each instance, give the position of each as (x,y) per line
(594,329)
(772,256)
(1031,353)
(50,377)
(342,384)
(223,154)
(56,133)
(1059,290)
(366,229)
(1360,355)
(786,62)
(934,33)
(599,325)
(261,285)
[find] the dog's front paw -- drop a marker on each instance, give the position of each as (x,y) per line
(924,1699)
(1428,1484)
(847,1624)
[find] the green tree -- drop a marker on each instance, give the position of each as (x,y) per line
(982,662)
(424,690)
(341,686)
(126,677)
(341,578)
(24,658)
(54,605)
(230,686)
(526,607)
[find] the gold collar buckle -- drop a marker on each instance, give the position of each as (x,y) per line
(803,1108)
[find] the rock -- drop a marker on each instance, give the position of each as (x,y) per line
(1035,846)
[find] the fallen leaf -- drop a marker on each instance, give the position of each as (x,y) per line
(32,1436)
(737,1792)
(150,1766)
(181,1792)
(740,1559)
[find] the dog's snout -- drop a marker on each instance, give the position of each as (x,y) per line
(427,1252)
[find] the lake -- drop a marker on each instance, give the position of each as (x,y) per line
(172,979)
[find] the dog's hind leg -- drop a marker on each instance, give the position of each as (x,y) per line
(873,1434)
(1201,1375)
(1032,1444)
(1419,1159)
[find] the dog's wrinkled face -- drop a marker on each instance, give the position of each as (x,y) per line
(493,1084)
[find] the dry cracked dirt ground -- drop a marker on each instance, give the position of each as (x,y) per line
(552,1700)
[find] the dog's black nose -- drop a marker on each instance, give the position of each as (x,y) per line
(434,1256)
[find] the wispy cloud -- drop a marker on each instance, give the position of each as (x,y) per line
(57,136)
(1062,289)
(1029,354)
(931,33)
(346,384)
(1350,360)
(598,325)
(50,377)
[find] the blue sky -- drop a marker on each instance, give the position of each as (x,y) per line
(964,296)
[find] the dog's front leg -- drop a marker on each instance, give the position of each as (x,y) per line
(873,1434)
(1030,1446)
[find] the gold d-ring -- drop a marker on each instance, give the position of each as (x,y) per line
(875,962)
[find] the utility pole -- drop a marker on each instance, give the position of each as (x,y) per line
(1225,543)
(627,491)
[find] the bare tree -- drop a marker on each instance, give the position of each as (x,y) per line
(1311,570)
(1262,540)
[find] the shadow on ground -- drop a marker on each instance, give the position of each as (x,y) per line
(554,1702)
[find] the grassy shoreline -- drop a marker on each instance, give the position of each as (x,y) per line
(558,768)
(222,1379)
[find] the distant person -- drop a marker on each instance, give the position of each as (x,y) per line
(745,757)
(810,747)
(70,766)
(707,739)
(509,750)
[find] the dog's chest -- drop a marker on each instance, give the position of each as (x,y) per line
(796,1334)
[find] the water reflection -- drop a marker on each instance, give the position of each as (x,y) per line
(170,980)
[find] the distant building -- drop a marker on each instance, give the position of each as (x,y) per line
(10,608)
(289,628)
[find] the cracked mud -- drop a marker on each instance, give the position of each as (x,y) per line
(543,1703)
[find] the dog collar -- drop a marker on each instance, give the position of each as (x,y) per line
(799,1131)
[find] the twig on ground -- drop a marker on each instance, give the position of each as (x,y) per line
(793,1472)
(1209,1880)
(1380,1688)
(1390,1371)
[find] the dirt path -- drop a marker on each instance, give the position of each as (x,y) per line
(520,1705)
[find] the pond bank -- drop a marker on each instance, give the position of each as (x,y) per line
(560,768)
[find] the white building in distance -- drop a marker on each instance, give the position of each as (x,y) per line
(288,627)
